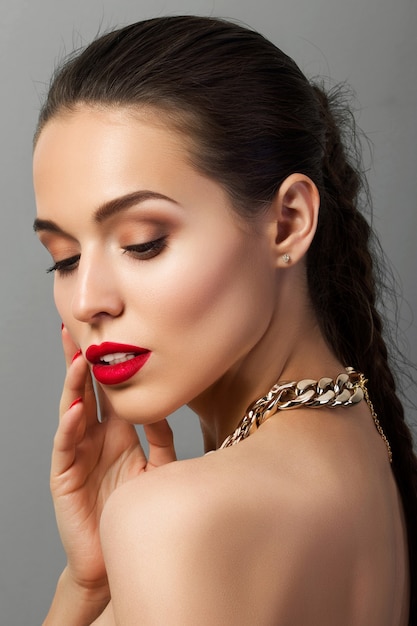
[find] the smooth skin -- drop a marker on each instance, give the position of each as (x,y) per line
(299,524)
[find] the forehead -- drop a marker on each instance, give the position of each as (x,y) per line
(89,157)
(107,130)
(107,149)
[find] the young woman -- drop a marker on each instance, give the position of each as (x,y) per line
(202,216)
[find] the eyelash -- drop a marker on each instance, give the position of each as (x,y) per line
(64,267)
(141,251)
(148,250)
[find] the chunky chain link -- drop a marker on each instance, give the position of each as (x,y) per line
(347,389)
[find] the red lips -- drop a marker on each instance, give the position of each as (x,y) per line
(115,363)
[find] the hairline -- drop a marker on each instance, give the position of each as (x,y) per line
(163,116)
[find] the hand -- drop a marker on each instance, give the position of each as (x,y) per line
(89,461)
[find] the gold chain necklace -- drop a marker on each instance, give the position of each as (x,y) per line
(347,389)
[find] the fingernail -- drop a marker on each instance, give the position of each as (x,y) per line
(62,325)
(76,355)
(76,401)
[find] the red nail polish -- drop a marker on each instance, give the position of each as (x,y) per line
(76,401)
(76,355)
(62,325)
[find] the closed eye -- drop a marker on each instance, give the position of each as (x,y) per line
(147,250)
(66,266)
(142,251)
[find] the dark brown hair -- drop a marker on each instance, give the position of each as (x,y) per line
(254,119)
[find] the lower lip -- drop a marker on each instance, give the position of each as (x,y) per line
(121,372)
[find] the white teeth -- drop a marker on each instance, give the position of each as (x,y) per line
(117,357)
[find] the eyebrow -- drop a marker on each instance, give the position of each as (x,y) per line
(107,210)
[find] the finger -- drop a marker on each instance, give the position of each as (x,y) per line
(77,384)
(69,434)
(161,443)
(74,383)
(78,380)
(69,346)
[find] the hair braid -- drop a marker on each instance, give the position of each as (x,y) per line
(346,302)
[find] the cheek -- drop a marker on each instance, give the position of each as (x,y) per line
(62,299)
(212,292)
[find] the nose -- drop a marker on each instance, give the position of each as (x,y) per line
(97,293)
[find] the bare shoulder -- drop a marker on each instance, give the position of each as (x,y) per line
(292,522)
(172,547)
(228,537)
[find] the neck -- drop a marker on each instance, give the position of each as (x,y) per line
(292,348)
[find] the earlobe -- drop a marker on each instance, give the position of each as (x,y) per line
(295,213)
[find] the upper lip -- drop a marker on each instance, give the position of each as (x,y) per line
(95,353)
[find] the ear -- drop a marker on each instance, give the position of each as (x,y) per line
(293,219)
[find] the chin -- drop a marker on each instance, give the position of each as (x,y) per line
(136,406)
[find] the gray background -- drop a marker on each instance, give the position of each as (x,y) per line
(369,43)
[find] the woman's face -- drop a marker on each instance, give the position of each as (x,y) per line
(152,266)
